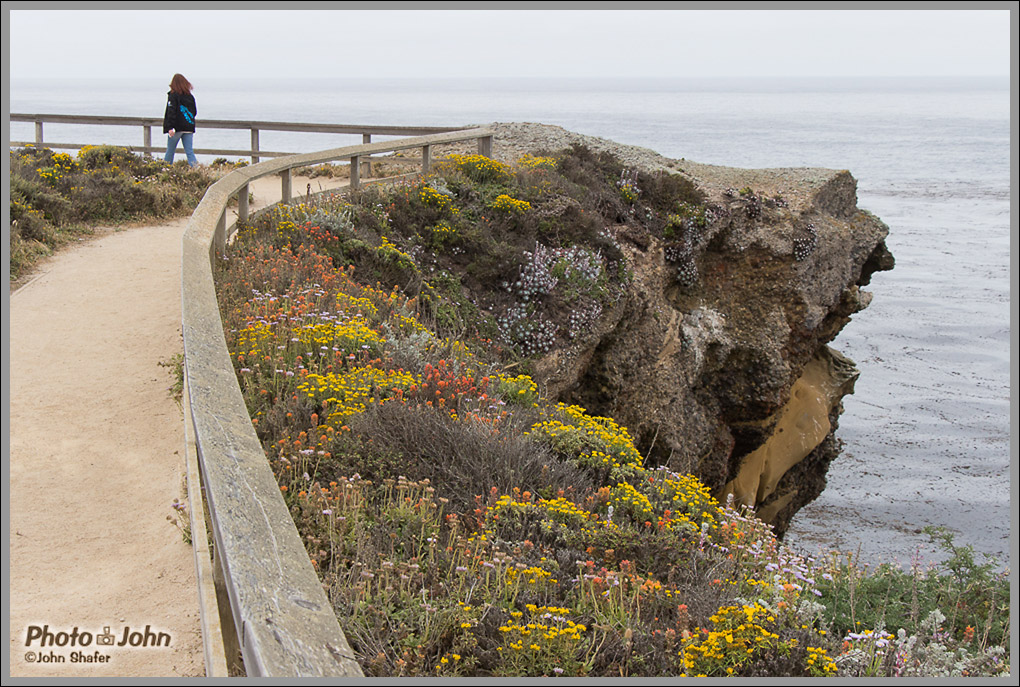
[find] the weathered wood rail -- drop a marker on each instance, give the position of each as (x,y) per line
(279,617)
(254,127)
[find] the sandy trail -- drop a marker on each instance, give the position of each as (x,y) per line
(97,455)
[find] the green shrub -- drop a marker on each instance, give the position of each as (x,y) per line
(425,444)
(971,595)
(55,196)
(480,169)
(663,191)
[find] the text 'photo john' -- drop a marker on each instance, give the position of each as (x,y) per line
(42,636)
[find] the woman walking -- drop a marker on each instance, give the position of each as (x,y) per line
(179,120)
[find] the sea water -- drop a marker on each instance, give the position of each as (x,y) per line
(927,433)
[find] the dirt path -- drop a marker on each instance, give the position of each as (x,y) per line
(96,457)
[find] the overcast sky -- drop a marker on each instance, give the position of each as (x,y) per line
(178,37)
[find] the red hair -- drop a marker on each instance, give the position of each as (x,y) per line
(180,85)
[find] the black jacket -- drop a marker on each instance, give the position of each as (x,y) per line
(180,112)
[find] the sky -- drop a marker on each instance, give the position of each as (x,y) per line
(391,41)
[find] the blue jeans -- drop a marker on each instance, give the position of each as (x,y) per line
(171,146)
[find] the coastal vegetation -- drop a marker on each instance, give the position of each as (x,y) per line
(463,522)
(57,197)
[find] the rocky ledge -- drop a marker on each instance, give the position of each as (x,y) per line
(715,356)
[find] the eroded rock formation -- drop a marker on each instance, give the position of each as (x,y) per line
(718,361)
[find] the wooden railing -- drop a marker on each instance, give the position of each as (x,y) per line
(254,127)
(279,618)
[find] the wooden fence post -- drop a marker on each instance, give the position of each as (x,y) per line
(38,134)
(355,180)
(426,159)
(367,168)
(210,610)
(485,146)
(221,233)
(231,640)
(147,139)
(285,191)
(242,204)
(254,146)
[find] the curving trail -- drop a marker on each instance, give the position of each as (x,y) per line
(97,455)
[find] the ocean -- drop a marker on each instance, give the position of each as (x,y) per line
(927,433)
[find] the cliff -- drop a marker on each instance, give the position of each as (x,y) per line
(715,355)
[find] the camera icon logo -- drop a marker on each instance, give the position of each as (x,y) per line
(105,639)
